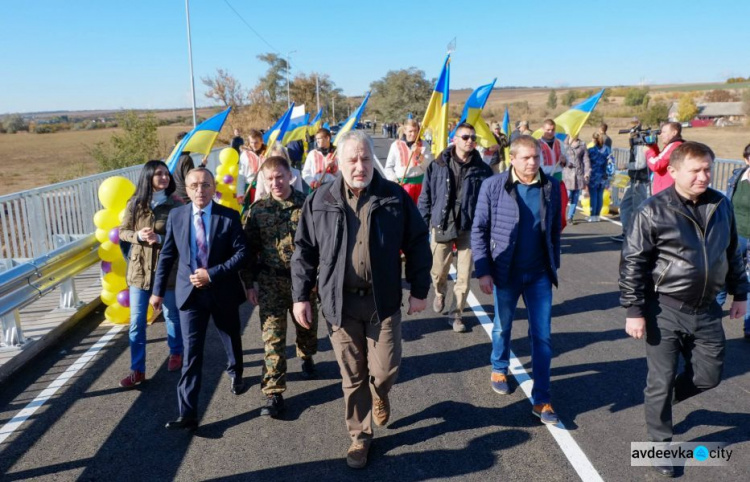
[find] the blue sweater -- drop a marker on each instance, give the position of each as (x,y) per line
(529,255)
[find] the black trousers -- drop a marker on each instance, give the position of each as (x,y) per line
(699,338)
(194,322)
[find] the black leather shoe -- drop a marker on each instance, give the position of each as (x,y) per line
(274,405)
(182,423)
(237,385)
(664,470)
(308,368)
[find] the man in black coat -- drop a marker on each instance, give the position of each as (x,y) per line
(348,241)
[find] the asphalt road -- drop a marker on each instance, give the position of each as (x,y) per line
(446,423)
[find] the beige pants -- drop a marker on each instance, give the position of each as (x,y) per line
(442,258)
(369,355)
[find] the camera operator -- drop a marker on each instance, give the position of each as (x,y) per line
(638,189)
(658,160)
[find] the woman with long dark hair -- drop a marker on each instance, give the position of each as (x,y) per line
(144,227)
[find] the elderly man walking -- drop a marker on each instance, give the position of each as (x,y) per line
(348,241)
(516,244)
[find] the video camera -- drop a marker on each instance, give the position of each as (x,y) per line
(641,136)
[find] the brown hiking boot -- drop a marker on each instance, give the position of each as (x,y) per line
(381,411)
(356,456)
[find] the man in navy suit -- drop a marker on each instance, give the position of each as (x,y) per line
(207,242)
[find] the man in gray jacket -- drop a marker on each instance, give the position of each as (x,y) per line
(348,241)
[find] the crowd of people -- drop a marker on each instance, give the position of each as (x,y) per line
(306,241)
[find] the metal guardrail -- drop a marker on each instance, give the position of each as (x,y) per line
(721,171)
(30,220)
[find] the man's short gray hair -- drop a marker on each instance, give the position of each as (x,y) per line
(360,137)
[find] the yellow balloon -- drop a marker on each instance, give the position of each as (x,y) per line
(101,235)
(109,252)
(119,267)
(121,215)
(115,191)
(113,283)
(106,219)
(228,156)
(221,171)
(108,297)
(586,206)
(232,188)
(606,202)
(117,314)
(234,170)
(150,316)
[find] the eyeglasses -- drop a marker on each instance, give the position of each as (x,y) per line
(466,137)
(204,185)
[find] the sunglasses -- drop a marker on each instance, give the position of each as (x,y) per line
(466,137)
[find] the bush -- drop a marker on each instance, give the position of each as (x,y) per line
(636,96)
(686,109)
(14,123)
(656,114)
(552,99)
(720,95)
(136,145)
(569,97)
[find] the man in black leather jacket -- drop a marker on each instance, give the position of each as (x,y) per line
(679,252)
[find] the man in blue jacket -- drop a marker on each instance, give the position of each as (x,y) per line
(515,241)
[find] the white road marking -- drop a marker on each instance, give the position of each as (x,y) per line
(10,427)
(581,464)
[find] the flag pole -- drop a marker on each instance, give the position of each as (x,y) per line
(190,58)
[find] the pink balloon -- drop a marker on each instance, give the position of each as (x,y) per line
(114,235)
(123,297)
(106,267)
(228,179)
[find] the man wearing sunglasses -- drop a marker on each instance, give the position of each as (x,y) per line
(447,202)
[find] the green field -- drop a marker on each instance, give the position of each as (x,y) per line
(696,87)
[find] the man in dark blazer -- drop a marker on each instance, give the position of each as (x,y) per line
(207,242)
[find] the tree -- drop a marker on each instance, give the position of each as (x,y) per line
(686,108)
(399,93)
(14,123)
(569,97)
(656,114)
(720,95)
(225,88)
(635,96)
(137,144)
(303,91)
(273,85)
(552,99)
(746,105)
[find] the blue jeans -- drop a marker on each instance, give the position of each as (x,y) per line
(596,195)
(536,289)
(573,201)
(138,314)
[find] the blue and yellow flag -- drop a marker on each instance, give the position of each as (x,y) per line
(351,122)
(473,115)
(316,123)
(436,116)
(200,140)
(277,130)
(296,131)
(571,121)
(505,129)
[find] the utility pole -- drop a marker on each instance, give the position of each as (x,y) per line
(317,91)
(190,57)
(288,97)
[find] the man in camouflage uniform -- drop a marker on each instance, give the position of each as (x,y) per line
(270,229)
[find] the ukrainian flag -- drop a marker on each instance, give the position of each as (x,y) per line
(297,131)
(351,122)
(505,129)
(316,123)
(473,115)
(436,116)
(571,121)
(277,130)
(200,140)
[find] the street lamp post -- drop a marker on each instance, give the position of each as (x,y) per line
(190,57)
(288,97)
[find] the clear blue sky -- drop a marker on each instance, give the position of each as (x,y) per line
(95,54)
